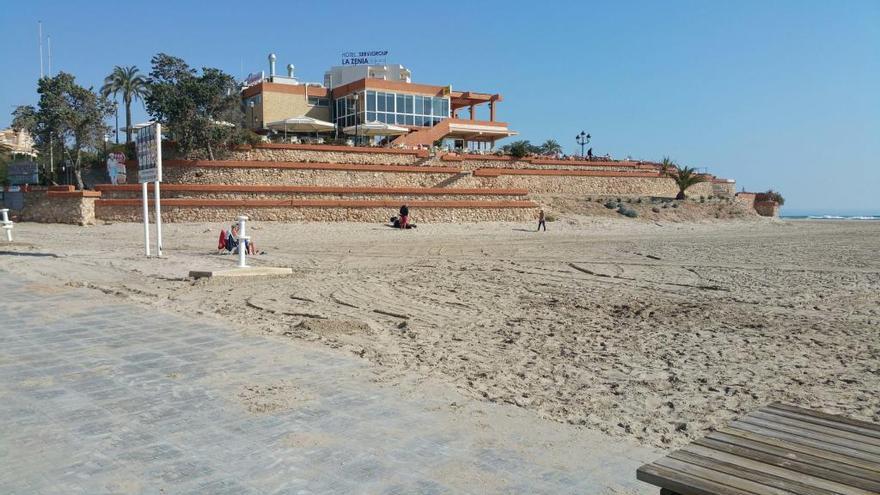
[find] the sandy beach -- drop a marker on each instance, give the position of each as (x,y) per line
(652,331)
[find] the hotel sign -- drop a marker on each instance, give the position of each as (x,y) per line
(149,153)
(375,57)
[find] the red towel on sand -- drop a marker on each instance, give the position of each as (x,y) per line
(221,244)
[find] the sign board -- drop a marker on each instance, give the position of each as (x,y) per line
(149,153)
(374,57)
(116,168)
(23,172)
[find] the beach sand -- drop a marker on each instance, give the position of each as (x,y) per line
(652,331)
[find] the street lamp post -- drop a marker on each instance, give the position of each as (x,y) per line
(253,116)
(116,109)
(582,139)
(357,99)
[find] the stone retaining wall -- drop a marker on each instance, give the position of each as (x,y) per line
(306,214)
(269,176)
(590,186)
(300,155)
(298,195)
(473,164)
(46,207)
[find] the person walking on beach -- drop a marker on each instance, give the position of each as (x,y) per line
(404,216)
(541,221)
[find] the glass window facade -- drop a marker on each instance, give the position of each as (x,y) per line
(391,108)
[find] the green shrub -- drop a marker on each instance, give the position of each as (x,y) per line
(611,205)
(775,196)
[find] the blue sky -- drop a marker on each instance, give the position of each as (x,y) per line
(773,94)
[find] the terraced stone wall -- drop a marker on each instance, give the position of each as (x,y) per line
(334,154)
(594,186)
(311,214)
(268,176)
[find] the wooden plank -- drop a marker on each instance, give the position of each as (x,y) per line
(731,480)
(684,483)
(797,423)
(830,439)
(830,417)
(798,448)
(783,467)
(847,470)
(737,469)
(818,444)
(822,421)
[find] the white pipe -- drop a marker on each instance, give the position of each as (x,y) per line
(146,219)
(158,219)
(242,240)
(242,250)
(6,224)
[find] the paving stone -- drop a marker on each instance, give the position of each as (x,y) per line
(106,397)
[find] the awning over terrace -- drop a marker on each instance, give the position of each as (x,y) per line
(301,124)
(375,129)
(475,130)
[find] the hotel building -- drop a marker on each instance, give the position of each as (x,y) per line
(353,95)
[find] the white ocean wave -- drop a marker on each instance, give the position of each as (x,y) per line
(838,217)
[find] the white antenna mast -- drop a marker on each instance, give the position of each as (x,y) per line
(40,31)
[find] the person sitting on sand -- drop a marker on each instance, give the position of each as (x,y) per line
(232,238)
(541,221)
(404,216)
(249,246)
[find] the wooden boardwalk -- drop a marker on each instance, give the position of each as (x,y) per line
(778,449)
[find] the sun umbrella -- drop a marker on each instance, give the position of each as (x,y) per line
(376,129)
(301,124)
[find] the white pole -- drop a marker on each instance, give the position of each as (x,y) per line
(242,251)
(158,219)
(156,190)
(6,224)
(242,240)
(146,220)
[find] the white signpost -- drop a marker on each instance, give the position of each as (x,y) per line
(149,155)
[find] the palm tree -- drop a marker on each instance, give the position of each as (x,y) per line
(667,165)
(684,178)
(132,85)
(550,147)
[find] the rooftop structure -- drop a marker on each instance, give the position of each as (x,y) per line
(353,95)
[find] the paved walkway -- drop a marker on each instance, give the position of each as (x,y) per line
(97,396)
